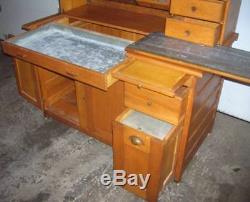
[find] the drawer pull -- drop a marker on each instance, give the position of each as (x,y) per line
(187,33)
(21,55)
(194,9)
(136,140)
(71,74)
(139,86)
(149,103)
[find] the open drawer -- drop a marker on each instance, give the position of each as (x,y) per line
(152,76)
(78,54)
(145,145)
(154,89)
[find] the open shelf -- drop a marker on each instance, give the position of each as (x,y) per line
(66,107)
(59,96)
(143,23)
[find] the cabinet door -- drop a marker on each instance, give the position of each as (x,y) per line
(98,109)
(27,81)
(104,107)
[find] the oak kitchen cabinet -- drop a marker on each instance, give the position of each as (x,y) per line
(97,80)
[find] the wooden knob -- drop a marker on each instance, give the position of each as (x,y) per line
(139,86)
(149,103)
(187,33)
(194,9)
(136,140)
(71,74)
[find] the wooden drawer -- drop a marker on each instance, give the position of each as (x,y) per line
(167,108)
(52,64)
(144,145)
(101,79)
(211,10)
(196,31)
(152,76)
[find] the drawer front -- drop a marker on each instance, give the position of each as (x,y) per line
(196,31)
(211,10)
(154,104)
(136,139)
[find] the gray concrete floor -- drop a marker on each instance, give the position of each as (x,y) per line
(44,160)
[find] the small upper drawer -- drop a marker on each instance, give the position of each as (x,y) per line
(196,31)
(153,76)
(211,10)
(163,107)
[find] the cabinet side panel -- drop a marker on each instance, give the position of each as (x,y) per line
(203,114)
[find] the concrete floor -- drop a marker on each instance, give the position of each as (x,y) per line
(44,160)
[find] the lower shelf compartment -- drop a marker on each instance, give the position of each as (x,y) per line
(66,108)
(59,96)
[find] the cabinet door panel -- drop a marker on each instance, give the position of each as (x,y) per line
(27,81)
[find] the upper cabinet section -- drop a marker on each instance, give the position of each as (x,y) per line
(206,22)
(213,20)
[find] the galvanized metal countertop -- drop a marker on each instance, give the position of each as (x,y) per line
(81,47)
(228,62)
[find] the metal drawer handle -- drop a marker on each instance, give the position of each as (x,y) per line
(136,140)
(194,8)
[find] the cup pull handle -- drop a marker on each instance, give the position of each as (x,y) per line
(187,33)
(136,140)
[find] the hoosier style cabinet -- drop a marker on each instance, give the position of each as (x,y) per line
(143,76)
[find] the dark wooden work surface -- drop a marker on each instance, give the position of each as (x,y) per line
(224,61)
